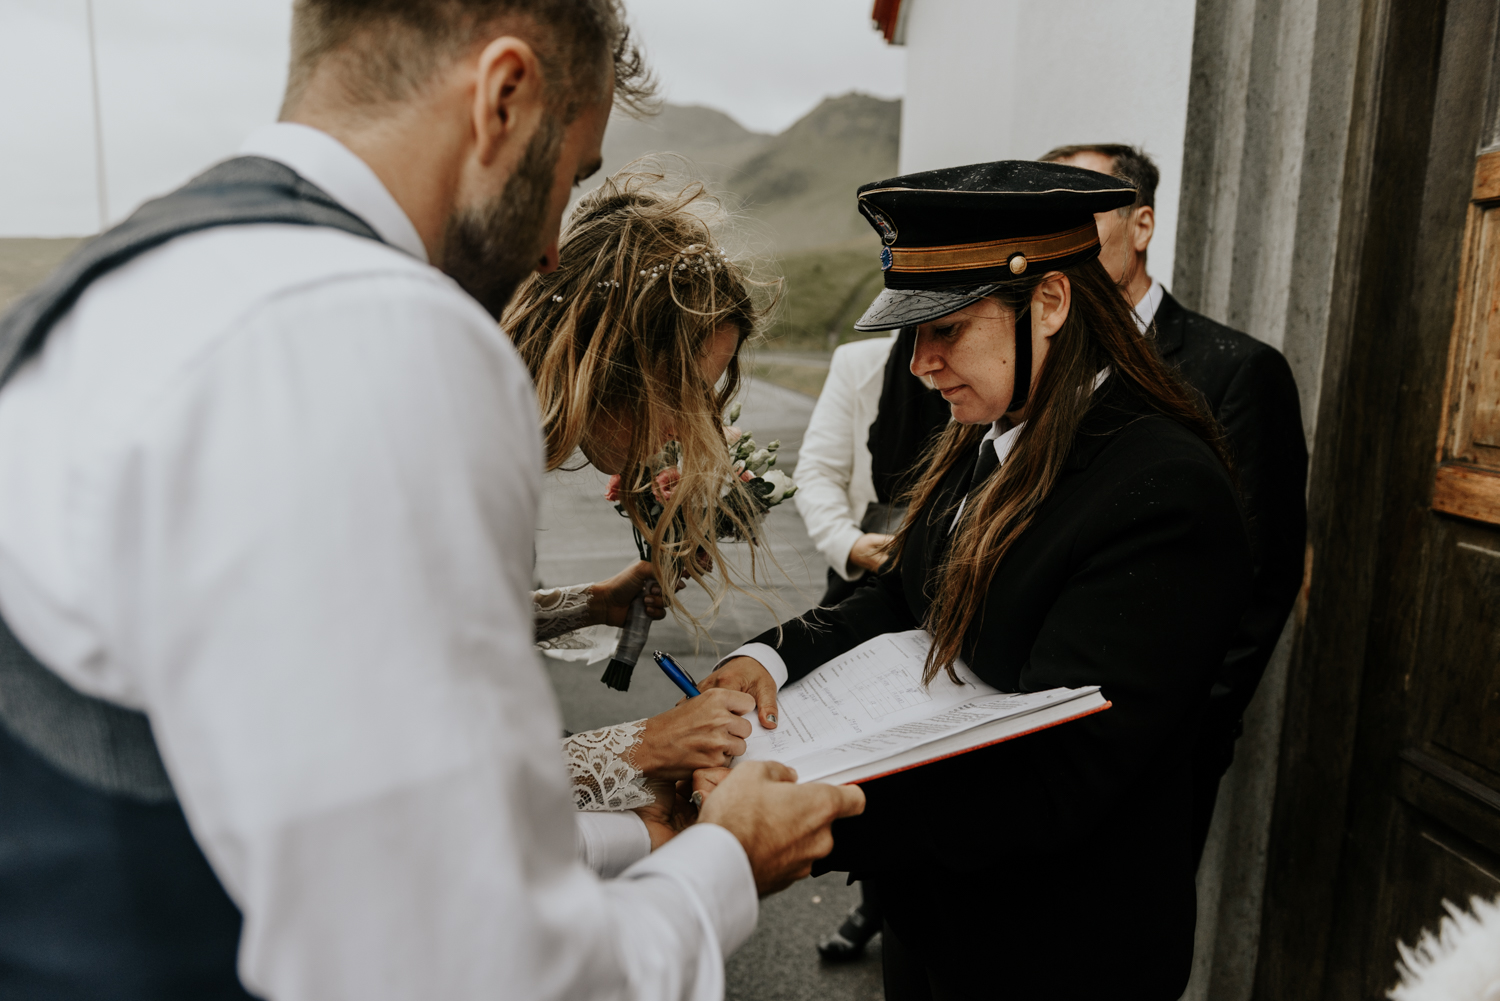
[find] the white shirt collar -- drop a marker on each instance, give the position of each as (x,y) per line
(1005,441)
(332,166)
(1145,310)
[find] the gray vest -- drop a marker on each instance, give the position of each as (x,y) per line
(98,743)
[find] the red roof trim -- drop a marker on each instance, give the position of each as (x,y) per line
(886,15)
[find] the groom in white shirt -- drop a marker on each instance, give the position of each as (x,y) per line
(273,485)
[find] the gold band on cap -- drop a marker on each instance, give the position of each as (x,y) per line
(995,253)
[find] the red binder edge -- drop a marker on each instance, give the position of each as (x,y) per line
(991,743)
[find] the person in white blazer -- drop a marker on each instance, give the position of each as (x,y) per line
(834,486)
(834,492)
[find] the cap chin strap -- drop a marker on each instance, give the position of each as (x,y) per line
(1022,388)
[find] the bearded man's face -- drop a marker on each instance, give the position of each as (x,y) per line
(489,249)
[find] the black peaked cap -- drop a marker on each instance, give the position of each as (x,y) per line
(955,235)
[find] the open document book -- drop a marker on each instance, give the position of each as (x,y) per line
(867,714)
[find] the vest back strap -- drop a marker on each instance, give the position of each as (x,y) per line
(101,744)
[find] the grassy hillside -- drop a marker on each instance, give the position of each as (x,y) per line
(801,185)
(797,187)
(825,290)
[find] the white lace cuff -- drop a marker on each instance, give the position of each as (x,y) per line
(560,610)
(602,770)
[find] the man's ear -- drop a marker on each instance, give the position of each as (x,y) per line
(509,98)
(1143,228)
(1050,303)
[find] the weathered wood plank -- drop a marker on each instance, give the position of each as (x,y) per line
(1467,492)
(1487,178)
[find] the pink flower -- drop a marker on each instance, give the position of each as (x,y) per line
(732,435)
(612,491)
(747,476)
(666,482)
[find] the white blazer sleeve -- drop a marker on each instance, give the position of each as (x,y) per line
(825,467)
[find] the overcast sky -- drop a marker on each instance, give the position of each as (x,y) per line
(184,80)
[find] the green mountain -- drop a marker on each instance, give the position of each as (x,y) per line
(798,186)
(794,194)
(712,142)
(801,185)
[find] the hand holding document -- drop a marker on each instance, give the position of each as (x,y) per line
(867,714)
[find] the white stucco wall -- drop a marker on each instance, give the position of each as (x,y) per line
(1007,80)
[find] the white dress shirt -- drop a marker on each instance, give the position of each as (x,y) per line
(1145,310)
(834,485)
(276,486)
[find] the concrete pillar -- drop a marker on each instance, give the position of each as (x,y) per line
(1263,169)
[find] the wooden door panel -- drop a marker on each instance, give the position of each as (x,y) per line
(1449,793)
(1430,865)
(1467,481)
(1486,346)
(1405,630)
(1462,655)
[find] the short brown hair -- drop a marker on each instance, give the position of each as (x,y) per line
(1130,164)
(392,48)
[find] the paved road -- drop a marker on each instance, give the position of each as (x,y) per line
(582,538)
(803,359)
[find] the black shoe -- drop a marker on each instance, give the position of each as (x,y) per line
(848,943)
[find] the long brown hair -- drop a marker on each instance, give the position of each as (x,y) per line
(617,334)
(1098,331)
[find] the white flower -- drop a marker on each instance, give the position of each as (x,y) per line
(781,485)
(735,470)
(758,460)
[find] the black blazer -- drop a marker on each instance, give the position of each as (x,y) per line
(1060,864)
(1250,390)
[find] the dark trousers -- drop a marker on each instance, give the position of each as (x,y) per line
(105,897)
(902,974)
(1212,758)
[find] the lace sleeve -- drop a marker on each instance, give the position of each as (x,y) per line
(560,610)
(601,767)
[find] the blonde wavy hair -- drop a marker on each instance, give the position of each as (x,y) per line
(616,335)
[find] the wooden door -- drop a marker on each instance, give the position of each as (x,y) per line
(1389,794)
(1444,789)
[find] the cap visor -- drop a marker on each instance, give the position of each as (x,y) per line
(905,307)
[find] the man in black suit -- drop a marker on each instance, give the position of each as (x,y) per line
(1249,387)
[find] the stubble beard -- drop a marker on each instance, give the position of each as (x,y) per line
(489,249)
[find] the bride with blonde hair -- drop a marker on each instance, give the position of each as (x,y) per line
(633,342)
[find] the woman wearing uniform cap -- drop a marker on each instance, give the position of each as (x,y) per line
(1076,524)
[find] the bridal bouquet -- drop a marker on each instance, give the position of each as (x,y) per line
(739,514)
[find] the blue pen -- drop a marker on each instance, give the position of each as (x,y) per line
(678,675)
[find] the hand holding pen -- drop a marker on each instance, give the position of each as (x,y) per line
(703,731)
(676,674)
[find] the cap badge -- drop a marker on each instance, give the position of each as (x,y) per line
(880,221)
(885,258)
(1017,264)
